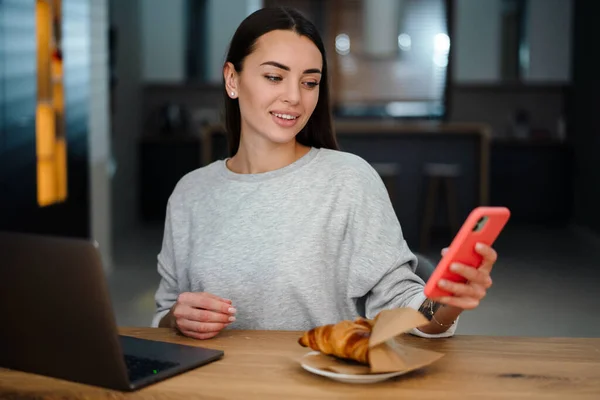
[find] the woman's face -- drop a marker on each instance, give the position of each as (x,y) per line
(278,87)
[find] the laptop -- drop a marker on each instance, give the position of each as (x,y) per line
(58,321)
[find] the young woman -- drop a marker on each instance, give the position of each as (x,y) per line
(289,232)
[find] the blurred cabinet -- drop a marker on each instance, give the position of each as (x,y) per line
(533,179)
(164,160)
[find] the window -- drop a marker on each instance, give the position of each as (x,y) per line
(390,58)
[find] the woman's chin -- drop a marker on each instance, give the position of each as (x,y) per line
(282,137)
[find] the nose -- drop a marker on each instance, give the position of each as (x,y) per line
(291,94)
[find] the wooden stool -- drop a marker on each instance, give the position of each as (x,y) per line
(437,174)
(388,173)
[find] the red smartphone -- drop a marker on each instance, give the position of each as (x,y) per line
(483,224)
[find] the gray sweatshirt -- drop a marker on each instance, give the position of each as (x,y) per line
(309,244)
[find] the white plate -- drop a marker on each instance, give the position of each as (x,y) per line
(347,378)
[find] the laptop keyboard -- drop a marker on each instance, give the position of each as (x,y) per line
(140,367)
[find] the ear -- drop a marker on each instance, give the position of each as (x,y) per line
(231,80)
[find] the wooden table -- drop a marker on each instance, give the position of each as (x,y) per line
(263,365)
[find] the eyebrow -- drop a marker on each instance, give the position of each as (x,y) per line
(286,68)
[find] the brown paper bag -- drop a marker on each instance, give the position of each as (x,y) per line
(386,354)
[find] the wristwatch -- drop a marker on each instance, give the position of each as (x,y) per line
(429,308)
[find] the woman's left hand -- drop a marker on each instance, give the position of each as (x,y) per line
(468,295)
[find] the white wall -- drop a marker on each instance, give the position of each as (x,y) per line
(549,32)
(477,40)
(99,132)
(163,39)
(224,16)
(163,26)
(126,120)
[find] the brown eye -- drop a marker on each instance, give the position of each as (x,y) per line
(311,85)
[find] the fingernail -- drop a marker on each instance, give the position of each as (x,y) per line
(455,267)
(232,310)
(443,282)
(231,319)
(479,246)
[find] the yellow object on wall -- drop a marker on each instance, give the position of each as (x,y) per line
(51,144)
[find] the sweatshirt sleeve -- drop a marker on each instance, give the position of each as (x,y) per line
(382,267)
(168,288)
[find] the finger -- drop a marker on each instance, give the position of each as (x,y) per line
(489,256)
(462,290)
(200,315)
(475,275)
(201,300)
(444,251)
(466,303)
(201,336)
(218,298)
(199,327)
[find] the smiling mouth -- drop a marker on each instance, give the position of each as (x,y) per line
(285,116)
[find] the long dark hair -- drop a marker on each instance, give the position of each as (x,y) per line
(318,131)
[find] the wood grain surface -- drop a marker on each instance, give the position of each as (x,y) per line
(264,365)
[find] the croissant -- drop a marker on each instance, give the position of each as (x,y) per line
(346,339)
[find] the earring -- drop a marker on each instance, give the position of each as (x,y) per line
(232,94)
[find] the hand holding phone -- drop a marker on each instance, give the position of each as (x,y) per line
(483,225)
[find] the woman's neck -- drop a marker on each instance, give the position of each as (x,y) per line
(256,159)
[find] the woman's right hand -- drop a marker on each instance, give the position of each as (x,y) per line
(201,315)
